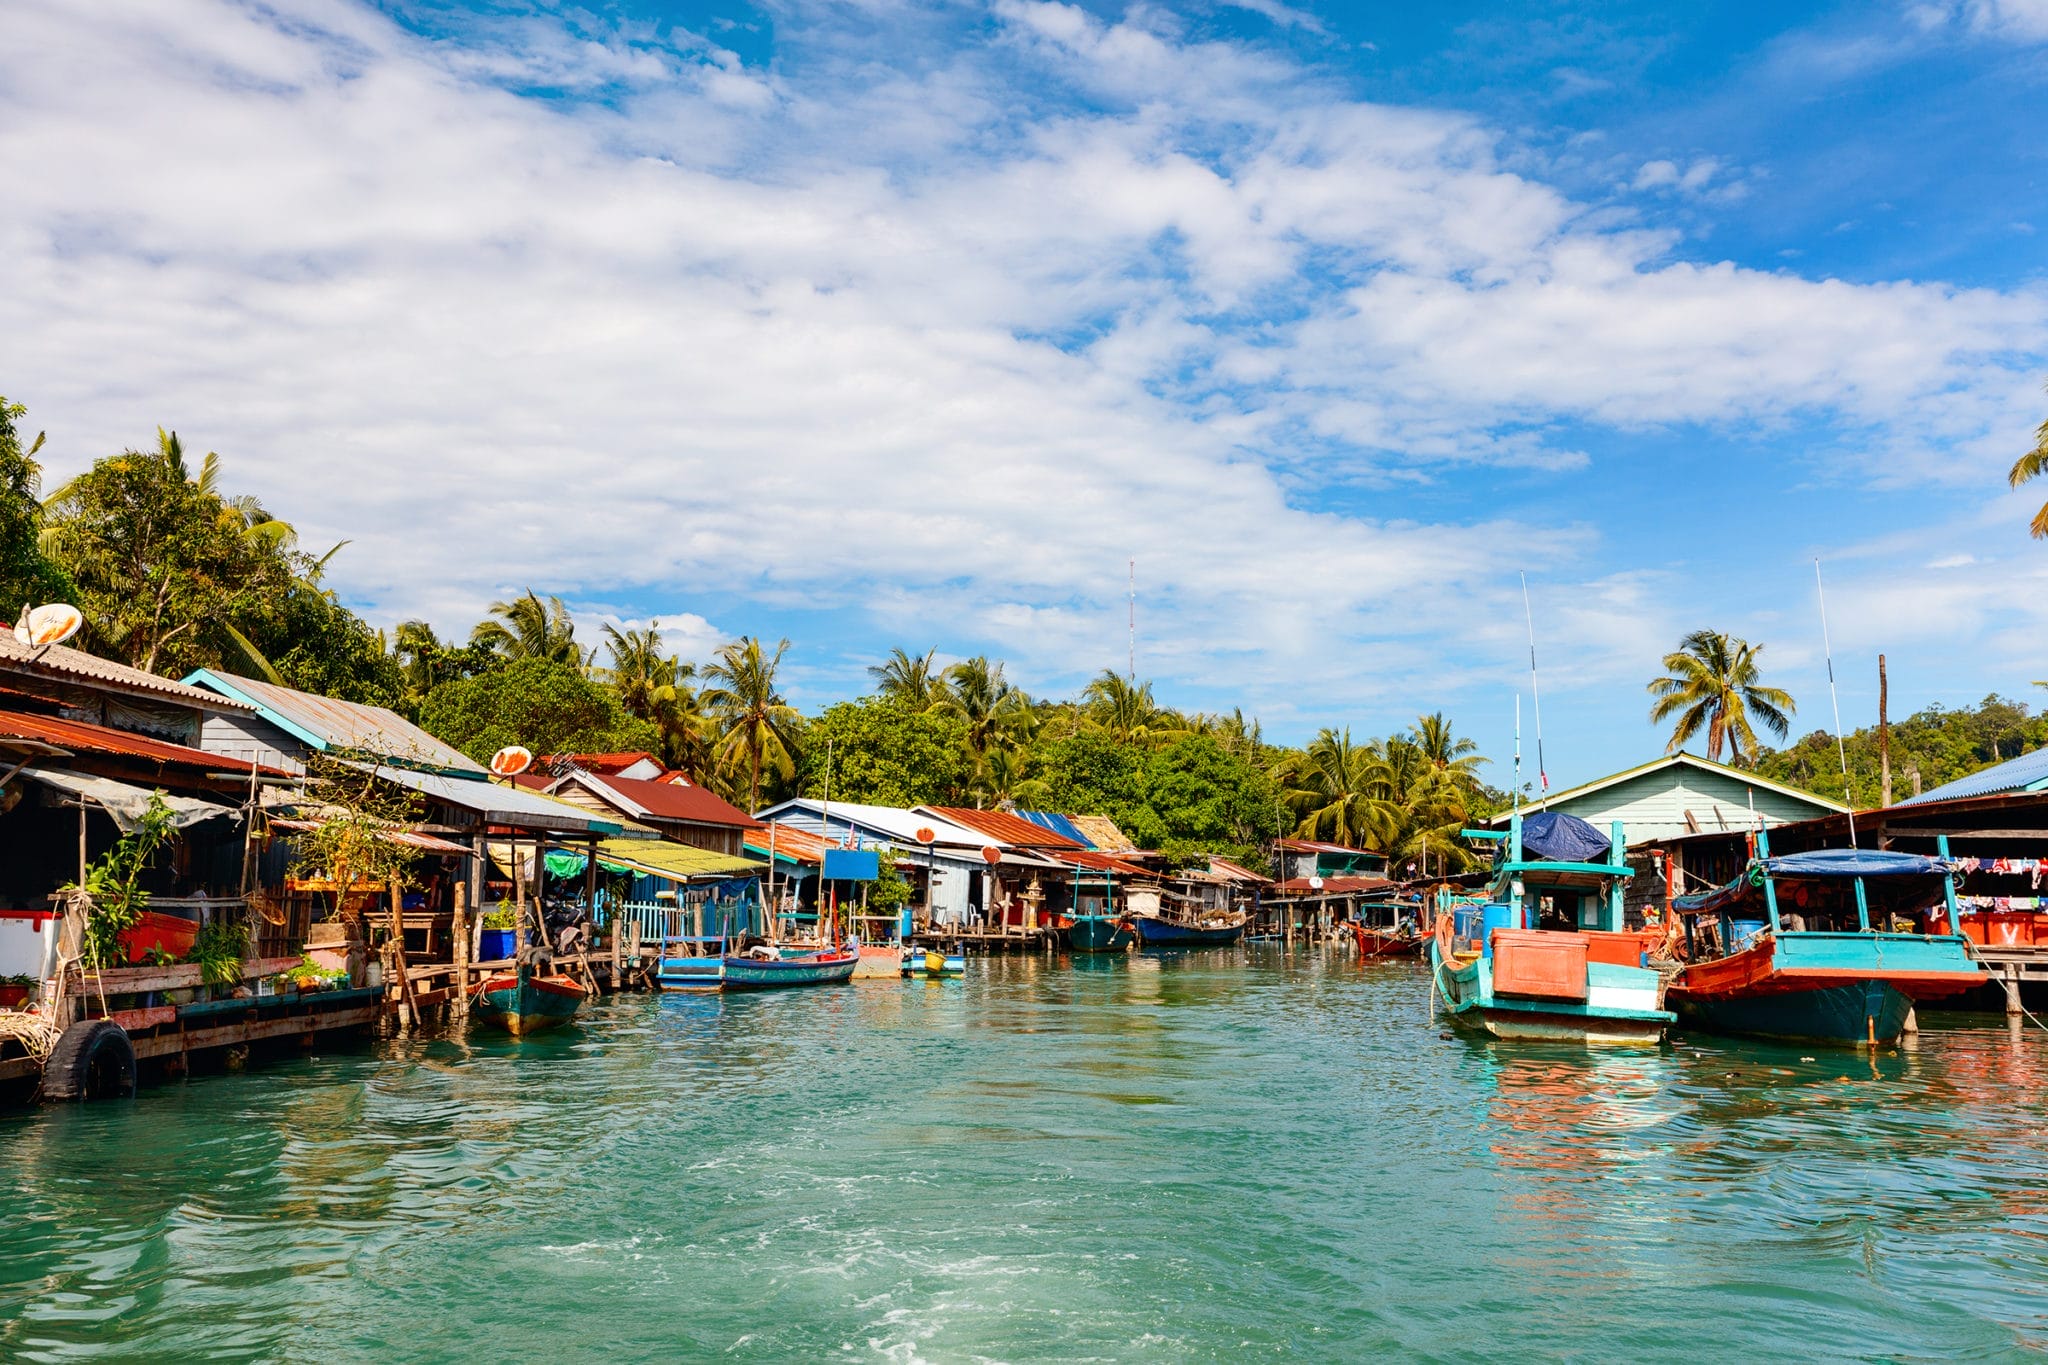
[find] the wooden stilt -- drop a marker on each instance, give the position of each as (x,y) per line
(408,1003)
(460,926)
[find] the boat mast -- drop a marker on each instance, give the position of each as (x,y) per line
(1841,750)
(1535,696)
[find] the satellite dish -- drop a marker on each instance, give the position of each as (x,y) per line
(52,624)
(511,760)
(1315,883)
(926,834)
(991,855)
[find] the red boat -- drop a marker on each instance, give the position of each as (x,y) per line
(1384,942)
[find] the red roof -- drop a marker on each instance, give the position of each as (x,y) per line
(1088,860)
(605,764)
(81,737)
(798,845)
(1234,872)
(1332,886)
(1006,828)
(670,801)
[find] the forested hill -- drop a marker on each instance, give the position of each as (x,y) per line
(1929,748)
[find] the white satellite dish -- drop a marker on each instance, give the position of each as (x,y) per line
(1315,883)
(51,624)
(511,760)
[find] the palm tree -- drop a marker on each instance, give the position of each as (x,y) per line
(655,686)
(1712,684)
(1127,711)
(1453,758)
(2033,465)
(995,712)
(527,628)
(913,681)
(755,724)
(1338,790)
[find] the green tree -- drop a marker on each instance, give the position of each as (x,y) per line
(995,714)
(656,686)
(1714,684)
(546,705)
(170,576)
(1090,772)
(757,727)
(1127,710)
(27,576)
(915,682)
(1929,748)
(2033,465)
(1202,798)
(886,752)
(528,628)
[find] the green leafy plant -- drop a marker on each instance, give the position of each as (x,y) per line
(18,979)
(502,916)
(159,956)
(219,949)
(114,883)
(309,973)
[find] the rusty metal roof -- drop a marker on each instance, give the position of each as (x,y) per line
(75,665)
(1235,872)
(649,800)
(77,736)
(326,723)
(797,845)
(1005,828)
(1318,846)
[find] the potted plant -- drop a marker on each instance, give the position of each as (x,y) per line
(498,940)
(15,989)
(309,976)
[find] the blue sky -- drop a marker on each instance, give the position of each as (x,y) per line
(880,323)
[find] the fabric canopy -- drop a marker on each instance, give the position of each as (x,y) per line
(1856,862)
(1561,838)
(126,802)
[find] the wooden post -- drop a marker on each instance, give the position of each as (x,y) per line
(460,934)
(408,1004)
(1884,737)
(519,939)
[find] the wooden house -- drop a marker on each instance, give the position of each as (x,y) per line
(676,808)
(1681,794)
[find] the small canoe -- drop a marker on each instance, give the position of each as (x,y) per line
(1156,932)
(806,969)
(1099,933)
(521,1003)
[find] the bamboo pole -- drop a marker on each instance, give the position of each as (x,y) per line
(460,932)
(408,1001)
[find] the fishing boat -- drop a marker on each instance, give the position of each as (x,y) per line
(523,1001)
(934,962)
(1802,946)
(1551,962)
(692,964)
(773,971)
(1388,929)
(1099,933)
(1209,931)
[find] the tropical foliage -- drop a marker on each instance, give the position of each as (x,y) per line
(2030,466)
(1929,748)
(1713,684)
(547,705)
(28,577)
(757,727)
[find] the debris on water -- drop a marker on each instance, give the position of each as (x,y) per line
(1806,1059)
(1445,1036)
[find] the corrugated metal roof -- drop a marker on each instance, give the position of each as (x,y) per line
(327,723)
(67,662)
(1235,872)
(1332,886)
(1058,824)
(1005,828)
(1317,846)
(2028,772)
(403,838)
(662,800)
(678,862)
(894,824)
(791,843)
(79,736)
(497,805)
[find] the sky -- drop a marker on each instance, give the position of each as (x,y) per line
(878,323)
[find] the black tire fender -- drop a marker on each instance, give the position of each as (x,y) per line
(93,1060)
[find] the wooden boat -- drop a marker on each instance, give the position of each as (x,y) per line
(1160,931)
(1377,941)
(522,1002)
(691,971)
(1581,981)
(1757,970)
(934,962)
(1099,933)
(825,967)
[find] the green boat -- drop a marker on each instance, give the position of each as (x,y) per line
(1099,933)
(520,1002)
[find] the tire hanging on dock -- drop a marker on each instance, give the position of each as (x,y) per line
(93,1060)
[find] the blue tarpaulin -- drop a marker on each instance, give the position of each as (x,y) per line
(1561,838)
(1855,862)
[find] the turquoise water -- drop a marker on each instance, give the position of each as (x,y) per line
(1219,1155)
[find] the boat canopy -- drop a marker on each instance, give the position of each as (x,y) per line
(1856,862)
(1562,838)
(1905,879)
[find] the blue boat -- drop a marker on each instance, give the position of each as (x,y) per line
(1157,931)
(1551,962)
(827,967)
(684,970)
(1789,948)
(934,962)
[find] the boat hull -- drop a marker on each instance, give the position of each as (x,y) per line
(821,969)
(1162,933)
(881,962)
(1824,988)
(1386,943)
(1614,1004)
(528,1004)
(1098,934)
(690,973)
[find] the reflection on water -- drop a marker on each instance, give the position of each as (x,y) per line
(1148,1156)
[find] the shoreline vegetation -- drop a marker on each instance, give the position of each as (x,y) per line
(174,572)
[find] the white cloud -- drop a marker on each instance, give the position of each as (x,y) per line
(2023,21)
(926,342)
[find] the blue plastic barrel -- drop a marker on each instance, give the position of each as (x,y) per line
(1741,931)
(1465,921)
(1496,917)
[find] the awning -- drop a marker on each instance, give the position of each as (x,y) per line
(675,862)
(403,838)
(126,802)
(496,805)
